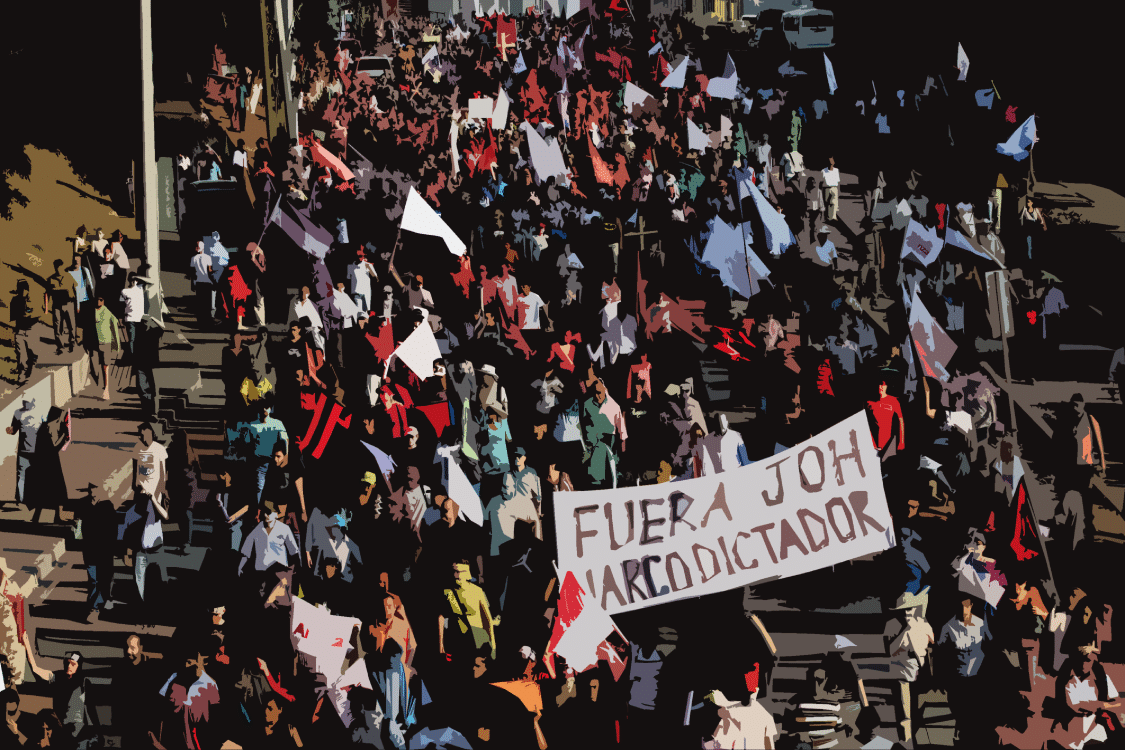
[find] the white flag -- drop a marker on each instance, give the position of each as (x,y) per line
(635,96)
(546,156)
(419,351)
(419,218)
(922,241)
(500,113)
(697,140)
(462,492)
(725,87)
(480,109)
(831,73)
(675,79)
(962,63)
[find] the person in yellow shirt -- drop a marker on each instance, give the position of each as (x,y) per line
(465,623)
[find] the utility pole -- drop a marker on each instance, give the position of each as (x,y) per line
(267,75)
(150,193)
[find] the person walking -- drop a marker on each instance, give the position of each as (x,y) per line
(108,341)
(83,298)
(133,310)
(99,536)
(202,275)
(26,421)
(150,475)
(23,319)
(59,298)
(831,190)
(68,693)
(1033,223)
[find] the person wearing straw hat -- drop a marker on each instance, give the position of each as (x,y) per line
(908,637)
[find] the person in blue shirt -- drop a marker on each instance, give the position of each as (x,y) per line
(259,439)
(826,250)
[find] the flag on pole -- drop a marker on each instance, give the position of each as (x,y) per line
(419,218)
(546,157)
(635,96)
(675,79)
(954,238)
(727,86)
(696,138)
(962,63)
(580,628)
(500,112)
(1019,145)
(932,345)
(831,73)
(419,350)
(922,241)
(307,234)
(520,66)
(462,492)
(728,252)
(779,236)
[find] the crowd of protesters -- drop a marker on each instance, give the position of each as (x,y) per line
(580,335)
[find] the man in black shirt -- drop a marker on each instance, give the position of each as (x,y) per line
(134,683)
(99,537)
(22,320)
(285,482)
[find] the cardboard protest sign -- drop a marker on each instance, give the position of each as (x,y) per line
(817,504)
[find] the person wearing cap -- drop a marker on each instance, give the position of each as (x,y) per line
(327,538)
(360,274)
(908,637)
(519,500)
(825,249)
(67,687)
(203,279)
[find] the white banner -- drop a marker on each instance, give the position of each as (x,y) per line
(817,504)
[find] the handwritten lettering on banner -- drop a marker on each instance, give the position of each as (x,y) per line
(815,505)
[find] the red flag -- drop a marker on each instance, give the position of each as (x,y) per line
(1025,532)
(602,172)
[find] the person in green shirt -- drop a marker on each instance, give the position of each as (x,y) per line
(109,340)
